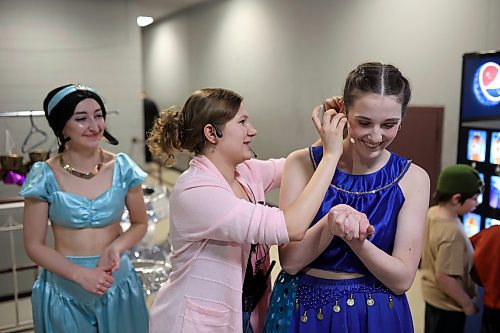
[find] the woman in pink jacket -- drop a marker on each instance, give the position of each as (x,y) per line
(217,212)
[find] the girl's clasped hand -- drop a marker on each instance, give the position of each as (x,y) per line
(349,224)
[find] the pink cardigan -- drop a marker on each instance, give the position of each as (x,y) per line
(211,231)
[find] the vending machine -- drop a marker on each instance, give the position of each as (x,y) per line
(479,133)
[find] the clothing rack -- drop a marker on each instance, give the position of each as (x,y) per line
(8,227)
(36,113)
(22,113)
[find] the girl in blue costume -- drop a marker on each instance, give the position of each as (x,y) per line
(86,283)
(339,283)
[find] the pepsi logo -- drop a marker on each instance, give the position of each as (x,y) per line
(487,84)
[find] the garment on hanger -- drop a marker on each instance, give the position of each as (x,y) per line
(27,147)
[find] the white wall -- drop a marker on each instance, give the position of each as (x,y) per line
(285,56)
(47,43)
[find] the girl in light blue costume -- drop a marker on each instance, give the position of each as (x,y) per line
(86,283)
(340,283)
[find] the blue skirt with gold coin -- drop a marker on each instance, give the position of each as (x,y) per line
(302,303)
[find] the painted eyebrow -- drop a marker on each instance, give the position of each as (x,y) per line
(85,112)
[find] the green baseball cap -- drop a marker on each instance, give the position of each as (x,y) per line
(460,178)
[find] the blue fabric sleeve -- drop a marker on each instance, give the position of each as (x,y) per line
(35,185)
(131,174)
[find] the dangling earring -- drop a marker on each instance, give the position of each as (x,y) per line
(351,139)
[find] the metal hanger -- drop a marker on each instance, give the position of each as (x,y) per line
(33,130)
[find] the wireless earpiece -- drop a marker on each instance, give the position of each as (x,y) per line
(218,132)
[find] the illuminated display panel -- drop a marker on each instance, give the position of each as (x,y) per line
(472,224)
(480,98)
(476,145)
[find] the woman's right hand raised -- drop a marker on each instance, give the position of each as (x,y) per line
(330,128)
(95,280)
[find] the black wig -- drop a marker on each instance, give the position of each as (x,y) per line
(60,104)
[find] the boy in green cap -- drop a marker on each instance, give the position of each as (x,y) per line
(447,287)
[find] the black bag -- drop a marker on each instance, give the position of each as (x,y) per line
(255,282)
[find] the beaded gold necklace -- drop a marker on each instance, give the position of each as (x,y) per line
(84,175)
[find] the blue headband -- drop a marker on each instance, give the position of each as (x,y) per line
(65,92)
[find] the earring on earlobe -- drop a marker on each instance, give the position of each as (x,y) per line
(351,139)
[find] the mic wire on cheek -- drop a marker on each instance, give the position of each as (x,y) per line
(253,153)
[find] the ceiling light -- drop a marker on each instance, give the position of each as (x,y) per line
(143,21)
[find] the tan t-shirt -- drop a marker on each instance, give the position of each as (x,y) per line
(446,250)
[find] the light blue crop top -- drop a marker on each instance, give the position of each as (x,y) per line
(75,211)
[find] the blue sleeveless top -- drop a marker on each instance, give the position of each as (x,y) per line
(75,211)
(377,195)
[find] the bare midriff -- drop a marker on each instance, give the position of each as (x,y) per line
(84,242)
(330,275)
